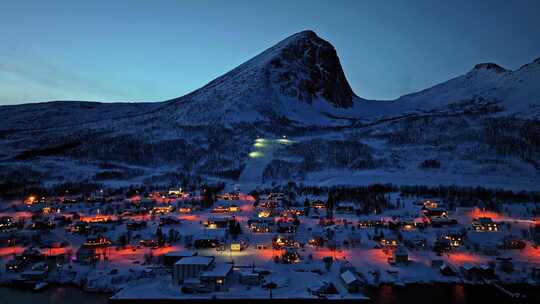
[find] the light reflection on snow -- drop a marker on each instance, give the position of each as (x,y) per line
(255,154)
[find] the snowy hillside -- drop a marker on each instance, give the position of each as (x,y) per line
(477,128)
(518,92)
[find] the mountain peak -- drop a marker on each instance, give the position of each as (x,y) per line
(489,66)
(302,69)
(306,67)
(305,33)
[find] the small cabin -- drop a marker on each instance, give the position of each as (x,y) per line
(290,256)
(318,204)
(351,281)
(400,255)
(435,212)
(217,222)
(485,224)
(470,271)
(447,270)
(97,242)
(346,207)
(162,209)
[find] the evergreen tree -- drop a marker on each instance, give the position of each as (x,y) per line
(160,237)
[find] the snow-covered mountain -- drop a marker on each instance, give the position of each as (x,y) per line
(299,79)
(517,92)
(483,123)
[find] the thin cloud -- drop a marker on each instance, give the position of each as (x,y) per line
(27,77)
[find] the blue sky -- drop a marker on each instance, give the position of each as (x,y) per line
(134,50)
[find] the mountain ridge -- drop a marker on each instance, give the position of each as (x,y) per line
(299,79)
(483,123)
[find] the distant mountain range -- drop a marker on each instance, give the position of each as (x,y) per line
(295,88)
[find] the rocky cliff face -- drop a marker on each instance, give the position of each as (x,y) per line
(308,67)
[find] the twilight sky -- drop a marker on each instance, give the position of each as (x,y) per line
(135,50)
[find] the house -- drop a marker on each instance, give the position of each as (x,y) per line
(447,270)
(417,242)
(231,196)
(260,227)
(55,260)
(439,221)
(210,238)
(290,256)
(513,242)
(40,224)
(316,241)
(7,223)
(97,242)
(428,203)
(217,222)
(264,213)
(401,256)
(487,270)
(149,243)
(455,238)
(32,255)
(442,245)
(436,211)
(388,243)
(286,227)
(506,264)
(169,259)
(86,255)
(162,209)
(15,264)
(408,224)
(351,281)
(277,199)
(175,192)
(185,209)
(354,239)
(470,271)
(234,208)
(221,208)
(293,211)
(218,277)
(191,267)
(485,224)
(318,204)
(280,241)
(346,207)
